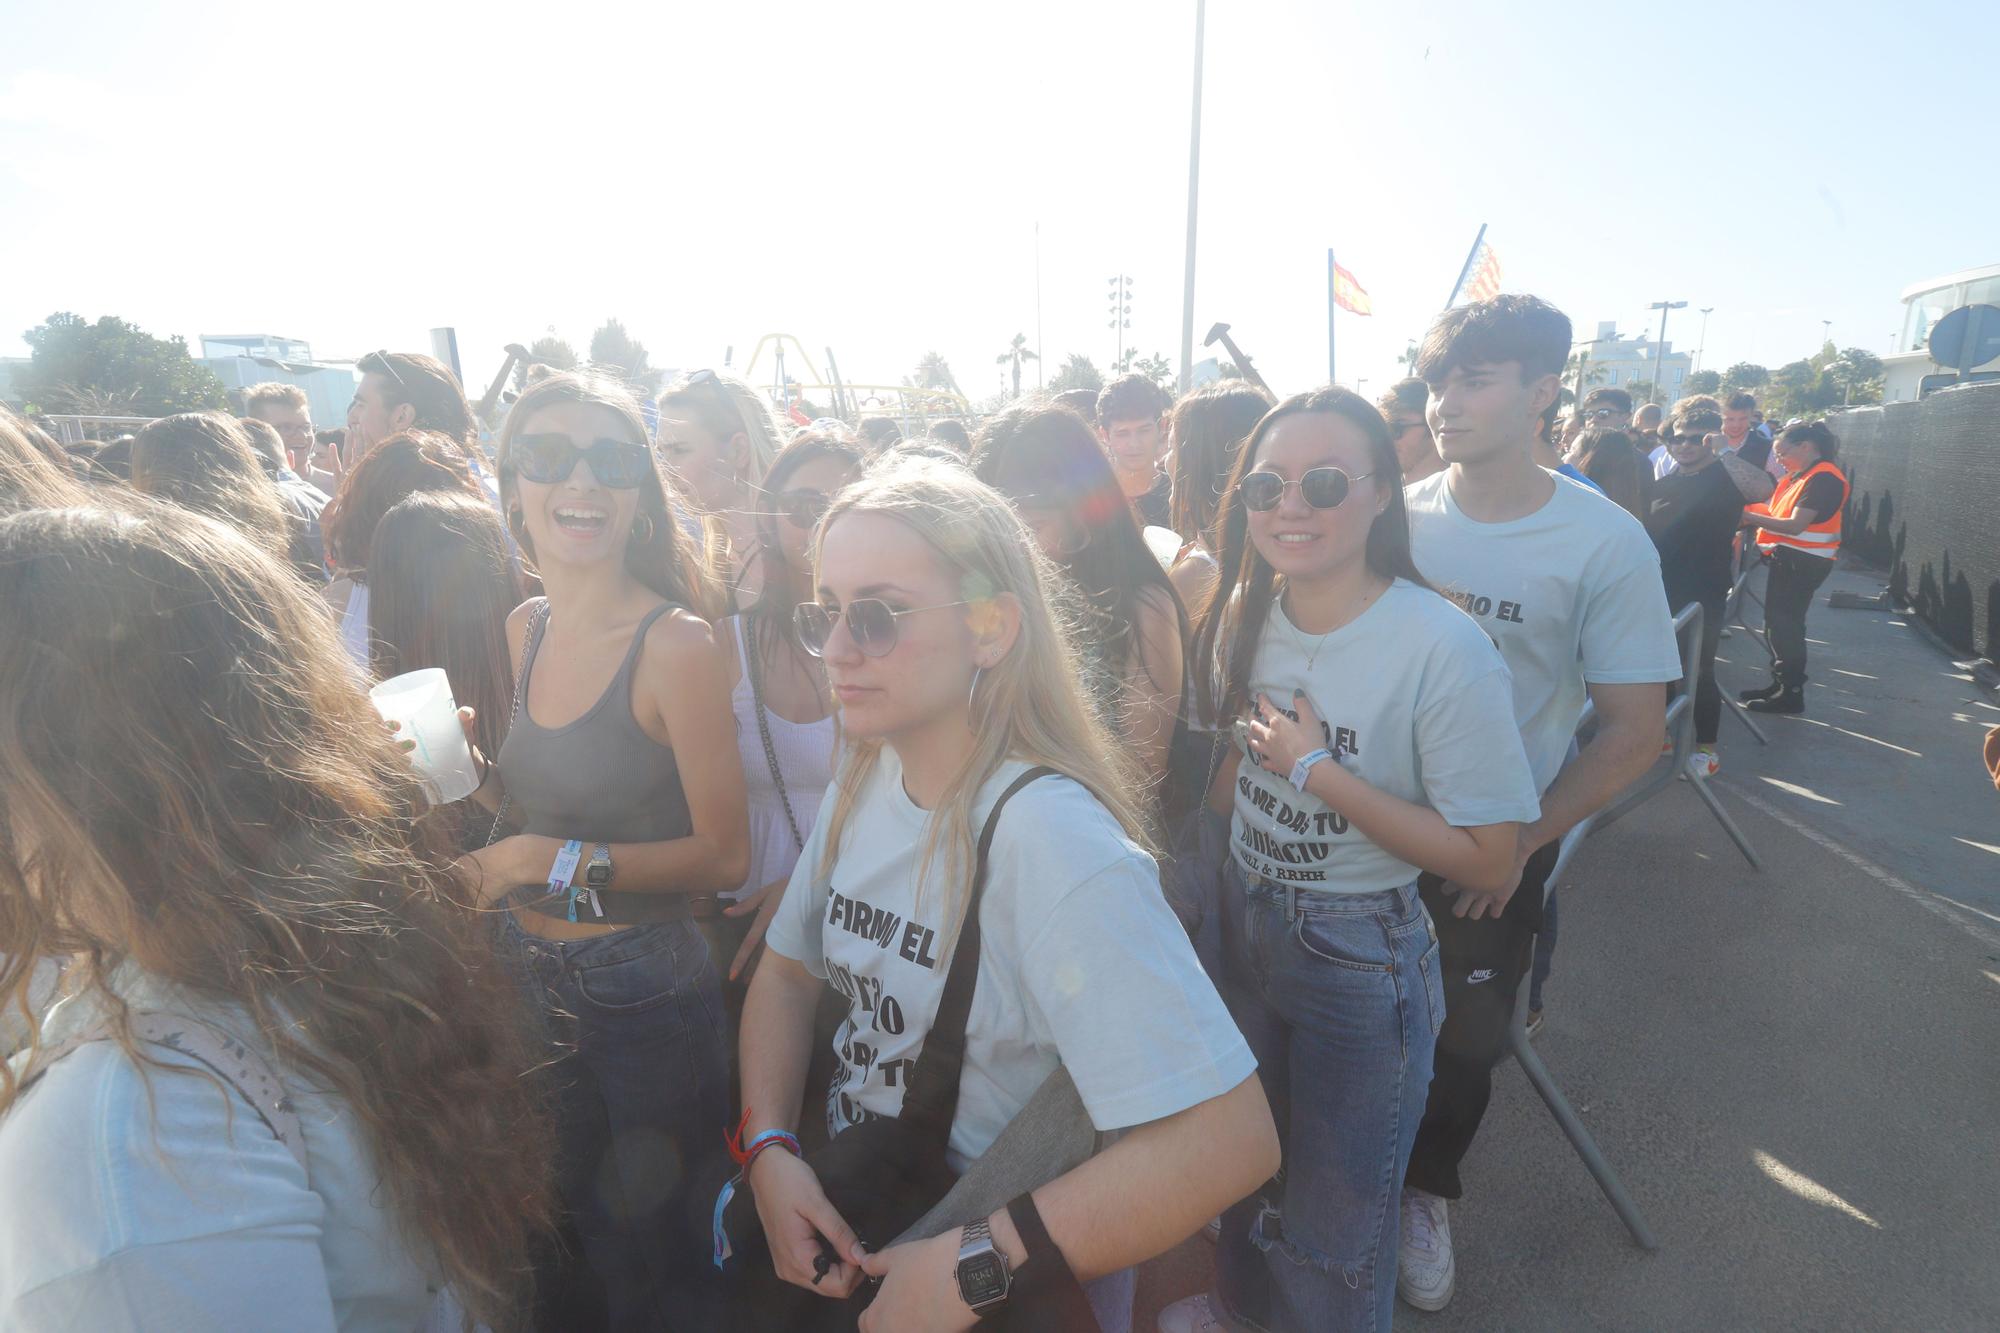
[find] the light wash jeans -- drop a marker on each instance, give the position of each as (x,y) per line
(1341,998)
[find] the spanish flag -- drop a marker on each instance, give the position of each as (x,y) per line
(1347,293)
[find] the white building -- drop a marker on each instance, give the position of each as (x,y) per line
(1615,362)
(1908,373)
(240,360)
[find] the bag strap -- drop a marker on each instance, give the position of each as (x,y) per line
(753,670)
(931,1099)
(229,1059)
(536,618)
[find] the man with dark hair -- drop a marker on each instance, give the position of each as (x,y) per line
(1403,407)
(1739,436)
(1607,408)
(1568,586)
(1132,427)
(405,391)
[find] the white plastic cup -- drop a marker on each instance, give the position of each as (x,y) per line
(421,702)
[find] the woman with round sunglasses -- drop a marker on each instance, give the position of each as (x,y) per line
(1379,727)
(619,771)
(718,439)
(1130,629)
(954,680)
(785,729)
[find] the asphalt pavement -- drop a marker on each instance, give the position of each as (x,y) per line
(1794,1072)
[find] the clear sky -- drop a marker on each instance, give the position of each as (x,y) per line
(870,177)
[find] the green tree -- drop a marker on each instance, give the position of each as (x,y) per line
(112,368)
(1641,391)
(1017,352)
(1593,373)
(550,350)
(1705,381)
(1409,360)
(1077,372)
(1858,372)
(1745,375)
(612,348)
(1155,368)
(933,373)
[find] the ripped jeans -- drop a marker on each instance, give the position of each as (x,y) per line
(1340,997)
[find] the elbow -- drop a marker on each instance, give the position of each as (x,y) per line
(1256,1131)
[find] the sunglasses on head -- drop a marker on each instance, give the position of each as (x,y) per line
(379,360)
(803,509)
(548,460)
(1320,487)
(871,623)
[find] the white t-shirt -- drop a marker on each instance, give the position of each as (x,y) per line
(1416,702)
(1571,594)
(1081,964)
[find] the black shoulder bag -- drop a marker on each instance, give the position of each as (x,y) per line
(884,1175)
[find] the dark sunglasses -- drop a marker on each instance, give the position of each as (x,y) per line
(549,459)
(1321,487)
(1599,413)
(803,509)
(871,623)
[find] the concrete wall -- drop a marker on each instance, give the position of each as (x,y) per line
(1925,506)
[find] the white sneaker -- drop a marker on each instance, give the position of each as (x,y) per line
(1425,1272)
(1193,1314)
(1704,763)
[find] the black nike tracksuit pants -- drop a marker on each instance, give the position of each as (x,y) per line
(1483,964)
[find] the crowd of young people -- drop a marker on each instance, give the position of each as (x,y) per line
(813,882)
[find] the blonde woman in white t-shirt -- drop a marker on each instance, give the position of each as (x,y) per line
(953,679)
(1379,724)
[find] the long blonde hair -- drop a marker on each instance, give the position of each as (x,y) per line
(1029,706)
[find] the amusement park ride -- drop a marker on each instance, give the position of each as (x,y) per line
(913,407)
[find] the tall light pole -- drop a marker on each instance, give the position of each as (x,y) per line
(1702,345)
(1825,332)
(1121,315)
(1659,365)
(1194,198)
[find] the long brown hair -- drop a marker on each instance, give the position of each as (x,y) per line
(1248,585)
(1209,426)
(29,479)
(205,462)
(401,466)
(664,560)
(441,585)
(192,783)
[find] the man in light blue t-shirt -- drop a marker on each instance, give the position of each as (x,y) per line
(1567,584)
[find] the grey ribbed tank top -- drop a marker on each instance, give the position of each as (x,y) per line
(601,778)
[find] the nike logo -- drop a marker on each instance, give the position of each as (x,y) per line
(1481,974)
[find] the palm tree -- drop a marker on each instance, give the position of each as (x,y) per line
(933,373)
(1017,352)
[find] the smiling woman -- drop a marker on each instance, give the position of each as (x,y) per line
(620,770)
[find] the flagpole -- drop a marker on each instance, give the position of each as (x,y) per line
(1329,315)
(1467,268)
(1194,199)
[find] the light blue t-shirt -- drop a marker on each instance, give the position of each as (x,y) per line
(122,1215)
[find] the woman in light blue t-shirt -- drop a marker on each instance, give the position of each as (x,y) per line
(1378,722)
(284,1087)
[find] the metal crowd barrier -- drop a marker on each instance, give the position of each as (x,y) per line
(1680,730)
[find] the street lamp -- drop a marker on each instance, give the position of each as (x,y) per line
(1702,344)
(1825,332)
(1121,313)
(1659,367)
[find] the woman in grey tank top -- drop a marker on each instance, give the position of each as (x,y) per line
(620,774)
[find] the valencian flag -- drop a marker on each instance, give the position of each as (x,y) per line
(1479,280)
(1348,295)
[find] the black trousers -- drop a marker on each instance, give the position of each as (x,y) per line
(1788,592)
(1707,697)
(1483,963)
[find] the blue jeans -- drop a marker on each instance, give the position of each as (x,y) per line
(1341,998)
(639,1083)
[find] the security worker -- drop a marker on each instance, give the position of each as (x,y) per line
(1798,531)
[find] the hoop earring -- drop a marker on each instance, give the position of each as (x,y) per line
(647,519)
(977,672)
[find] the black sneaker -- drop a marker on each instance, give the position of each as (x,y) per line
(1771,691)
(1788,701)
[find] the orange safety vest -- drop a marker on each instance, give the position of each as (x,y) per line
(1821,538)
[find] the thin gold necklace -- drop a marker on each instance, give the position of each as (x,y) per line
(1312,651)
